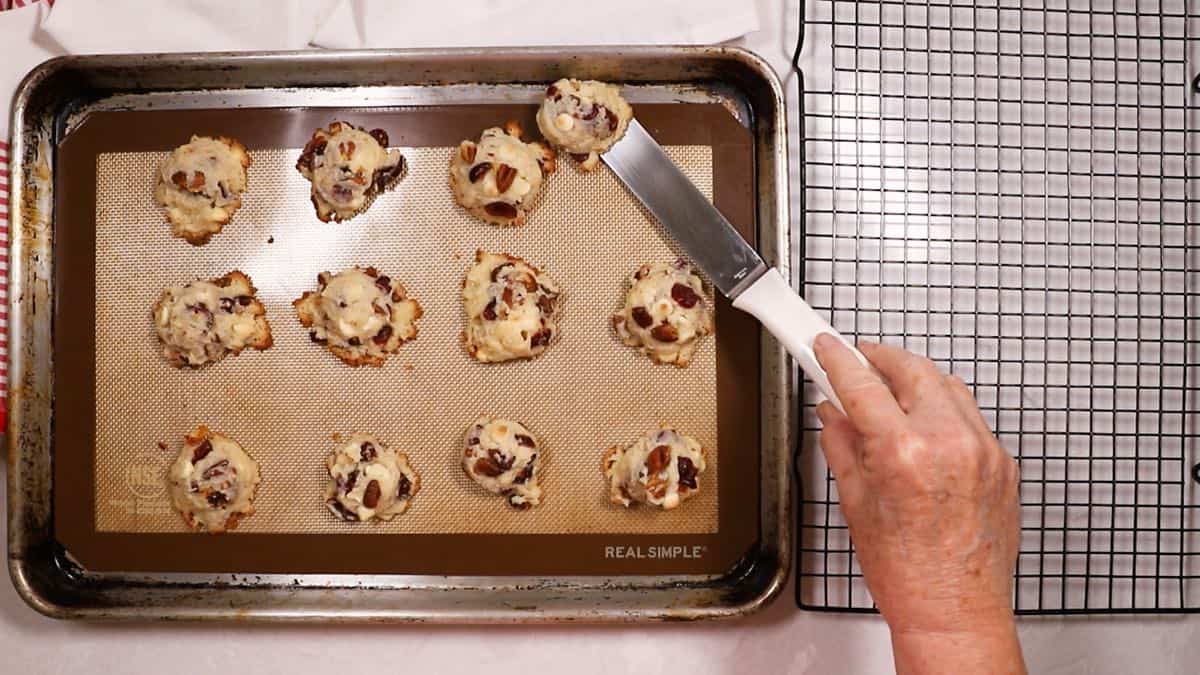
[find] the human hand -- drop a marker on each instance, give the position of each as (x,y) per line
(929,495)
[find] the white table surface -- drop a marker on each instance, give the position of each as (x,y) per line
(781,639)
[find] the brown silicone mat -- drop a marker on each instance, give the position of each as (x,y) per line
(583,395)
(286,404)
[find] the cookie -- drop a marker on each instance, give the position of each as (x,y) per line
(212,482)
(661,469)
(583,118)
(201,184)
(666,313)
(498,179)
(512,309)
(348,167)
(362,316)
(204,321)
(501,455)
(369,480)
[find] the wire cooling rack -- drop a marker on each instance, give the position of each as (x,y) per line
(1008,188)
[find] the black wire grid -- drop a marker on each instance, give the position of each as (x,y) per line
(1007,187)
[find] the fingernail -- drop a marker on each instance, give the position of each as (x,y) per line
(824,341)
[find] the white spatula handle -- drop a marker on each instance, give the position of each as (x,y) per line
(793,322)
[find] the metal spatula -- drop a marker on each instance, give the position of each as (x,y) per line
(733,266)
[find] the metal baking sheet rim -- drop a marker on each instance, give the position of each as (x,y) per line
(49,581)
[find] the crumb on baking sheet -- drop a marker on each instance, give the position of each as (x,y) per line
(271,240)
(409,366)
(162,446)
(335,436)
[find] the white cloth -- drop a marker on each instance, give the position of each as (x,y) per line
(122,26)
(494,23)
(23,45)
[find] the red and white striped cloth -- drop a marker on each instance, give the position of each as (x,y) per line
(4,176)
(4,200)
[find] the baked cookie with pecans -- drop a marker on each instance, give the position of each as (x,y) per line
(369,480)
(583,118)
(200,186)
(204,321)
(666,313)
(362,316)
(501,455)
(498,179)
(661,469)
(512,308)
(348,167)
(213,481)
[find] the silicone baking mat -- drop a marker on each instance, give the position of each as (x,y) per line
(285,405)
(114,255)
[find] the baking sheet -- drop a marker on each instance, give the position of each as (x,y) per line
(286,405)
(72,110)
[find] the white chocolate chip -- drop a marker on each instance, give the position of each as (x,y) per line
(372,324)
(564,122)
